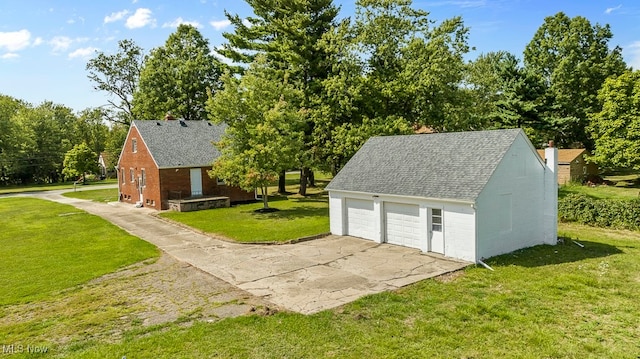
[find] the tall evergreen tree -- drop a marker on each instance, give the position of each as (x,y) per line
(289,34)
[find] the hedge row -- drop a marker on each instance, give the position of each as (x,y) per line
(619,214)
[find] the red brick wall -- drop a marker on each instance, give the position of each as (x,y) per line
(159,183)
(179,180)
(139,160)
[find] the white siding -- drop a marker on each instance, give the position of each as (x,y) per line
(336,219)
(460,231)
(514,194)
(459,224)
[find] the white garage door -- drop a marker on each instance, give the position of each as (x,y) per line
(402,223)
(360,219)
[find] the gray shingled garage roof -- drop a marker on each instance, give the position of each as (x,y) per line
(455,165)
(174,144)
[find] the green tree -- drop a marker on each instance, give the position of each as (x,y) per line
(118,75)
(412,69)
(177,76)
(263,134)
(288,34)
(48,133)
(11,138)
(616,128)
(114,142)
(574,58)
(507,95)
(78,161)
(90,129)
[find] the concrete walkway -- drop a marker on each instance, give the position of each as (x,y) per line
(306,277)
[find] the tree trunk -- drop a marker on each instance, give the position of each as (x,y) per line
(303,181)
(265,198)
(282,182)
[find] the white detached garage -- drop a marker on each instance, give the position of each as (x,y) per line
(466,195)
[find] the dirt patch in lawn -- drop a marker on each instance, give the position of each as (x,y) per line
(145,296)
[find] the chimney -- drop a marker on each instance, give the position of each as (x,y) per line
(551,157)
(551,194)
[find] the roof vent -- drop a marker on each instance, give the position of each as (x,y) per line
(158,123)
(209,123)
(182,123)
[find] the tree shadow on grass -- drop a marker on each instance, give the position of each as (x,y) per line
(294,213)
(544,255)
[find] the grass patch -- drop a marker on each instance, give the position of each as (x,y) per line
(560,301)
(601,192)
(296,218)
(97,195)
(48,247)
(51,186)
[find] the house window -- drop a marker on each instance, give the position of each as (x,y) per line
(584,170)
(220,182)
(143,178)
(122,175)
(436,219)
(132,175)
(134,145)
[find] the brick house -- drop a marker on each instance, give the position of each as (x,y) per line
(572,165)
(164,163)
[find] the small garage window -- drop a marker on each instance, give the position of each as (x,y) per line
(436,219)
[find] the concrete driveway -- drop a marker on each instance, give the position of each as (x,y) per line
(305,277)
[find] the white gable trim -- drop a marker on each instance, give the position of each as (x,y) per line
(372,195)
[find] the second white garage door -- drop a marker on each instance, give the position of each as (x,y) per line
(402,224)
(360,219)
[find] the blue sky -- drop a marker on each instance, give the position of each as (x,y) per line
(45,45)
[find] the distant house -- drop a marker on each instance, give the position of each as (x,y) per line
(466,195)
(164,165)
(572,165)
(103,163)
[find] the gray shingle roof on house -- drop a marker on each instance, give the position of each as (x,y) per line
(175,144)
(455,165)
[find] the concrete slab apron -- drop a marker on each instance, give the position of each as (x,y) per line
(306,277)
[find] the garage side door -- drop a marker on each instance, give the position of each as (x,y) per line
(360,219)
(402,224)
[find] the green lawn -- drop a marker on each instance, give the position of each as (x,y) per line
(296,218)
(50,187)
(601,192)
(560,301)
(97,195)
(48,247)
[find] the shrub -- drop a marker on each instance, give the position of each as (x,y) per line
(620,214)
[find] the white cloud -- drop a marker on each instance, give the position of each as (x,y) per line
(179,21)
(246,23)
(37,42)
(115,16)
(632,54)
(141,18)
(612,9)
(220,24)
(60,43)
(9,56)
(85,52)
(15,40)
